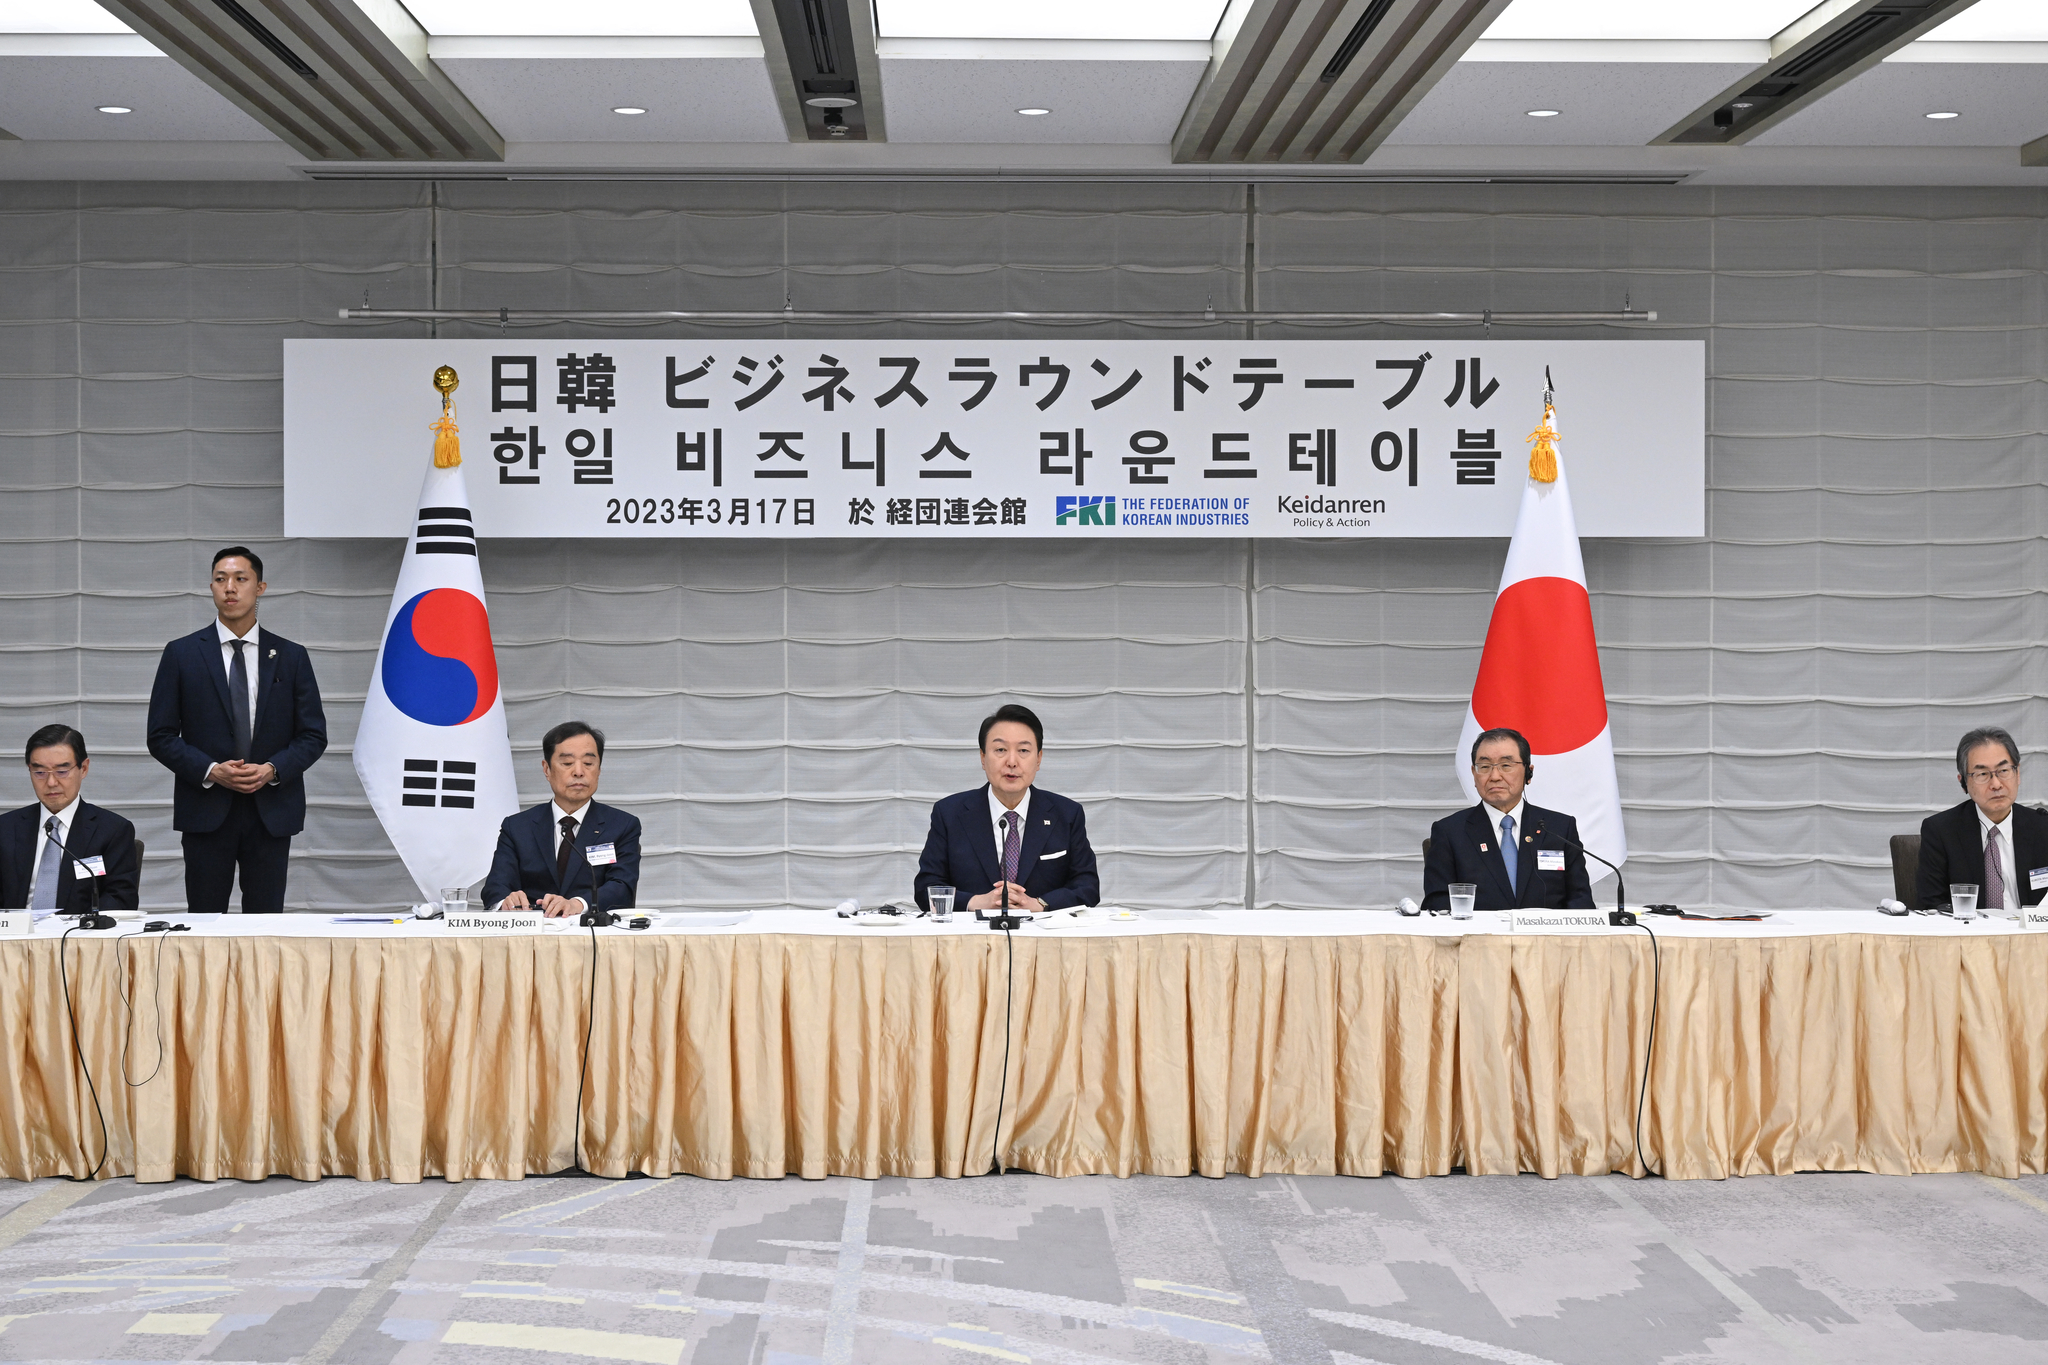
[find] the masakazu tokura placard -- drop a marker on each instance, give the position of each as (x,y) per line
(766,438)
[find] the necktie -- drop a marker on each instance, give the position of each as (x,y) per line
(238,701)
(1010,842)
(562,854)
(1994,875)
(49,869)
(1510,854)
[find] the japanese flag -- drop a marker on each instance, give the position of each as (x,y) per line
(432,751)
(1540,674)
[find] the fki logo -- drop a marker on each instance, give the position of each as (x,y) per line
(1080,511)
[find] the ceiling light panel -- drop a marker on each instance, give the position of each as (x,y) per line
(1131,20)
(592,19)
(57,16)
(1647,19)
(1996,21)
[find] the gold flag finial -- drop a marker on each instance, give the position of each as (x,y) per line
(447,448)
(1543,445)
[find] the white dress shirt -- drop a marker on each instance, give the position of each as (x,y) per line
(996,812)
(64,819)
(2002,831)
(252,642)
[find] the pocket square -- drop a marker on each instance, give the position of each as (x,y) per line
(1048,857)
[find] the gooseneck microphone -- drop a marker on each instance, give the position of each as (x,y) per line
(1620,914)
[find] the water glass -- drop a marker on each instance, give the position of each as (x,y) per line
(454,900)
(1462,896)
(1962,900)
(941,898)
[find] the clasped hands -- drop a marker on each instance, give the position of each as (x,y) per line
(1021,901)
(554,907)
(236,775)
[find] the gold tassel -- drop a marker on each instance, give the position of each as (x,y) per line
(1543,452)
(447,446)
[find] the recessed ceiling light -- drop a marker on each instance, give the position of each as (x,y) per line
(115,109)
(1944,113)
(629,109)
(1033,113)
(1543,113)
(831,101)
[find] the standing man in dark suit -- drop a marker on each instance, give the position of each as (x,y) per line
(545,853)
(1544,867)
(1989,840)
(235,715)
(52,850)
(1007,832)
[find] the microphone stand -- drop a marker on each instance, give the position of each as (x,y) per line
(92,918)
(594,914)
(1620,916)
(1005,920)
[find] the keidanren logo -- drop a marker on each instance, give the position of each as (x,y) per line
(1081,511)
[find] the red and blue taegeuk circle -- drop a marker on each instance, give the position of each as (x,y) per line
(439,667)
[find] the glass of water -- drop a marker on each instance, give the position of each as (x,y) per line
(454,900)
(941,898)
(1962,900)
(1462,896)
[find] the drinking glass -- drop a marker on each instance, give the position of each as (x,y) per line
(454,900)
(1462,896)
(941,898)
(1962,900)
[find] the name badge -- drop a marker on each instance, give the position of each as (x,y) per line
(1550,860)
(600,855)
(2037,878)
(96,866)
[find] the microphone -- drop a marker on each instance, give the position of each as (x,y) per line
(594,914)
(1004,920)
(1619,916)
(92,918)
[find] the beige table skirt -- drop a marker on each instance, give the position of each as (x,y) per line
(763,1054)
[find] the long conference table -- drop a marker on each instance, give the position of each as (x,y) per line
(793,1042)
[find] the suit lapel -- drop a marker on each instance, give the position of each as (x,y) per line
(983,841)
(1036,823)
(588,834)
(21,832)
(266,681)
(1488,839)
(1525,853)
(209,654)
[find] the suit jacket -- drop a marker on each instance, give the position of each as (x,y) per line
(1465,847)
(525,860)
(95,831)
(189,729)
(1054,862)
(1952,850)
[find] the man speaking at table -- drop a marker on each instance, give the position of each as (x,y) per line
(1988,840)
(545,853)
(1008,834)
(1544,868)
(235,715)
(50,850)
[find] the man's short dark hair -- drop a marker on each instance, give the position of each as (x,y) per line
(50,736)
(238,552)
(1989,734)
(1488,736)
(567,730)
(1022,715)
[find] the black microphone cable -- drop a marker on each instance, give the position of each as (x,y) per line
(163,931)
(1649,1048)
(78,1049)
(995,1158)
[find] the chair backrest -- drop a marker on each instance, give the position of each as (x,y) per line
(1425,850)
(138,853)
(1905,868)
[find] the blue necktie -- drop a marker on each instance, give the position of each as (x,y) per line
(1508,852)
(49,871)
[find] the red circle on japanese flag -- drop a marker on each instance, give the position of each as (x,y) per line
(1540,673)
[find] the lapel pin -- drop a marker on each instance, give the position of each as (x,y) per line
(273,654)
(1482,848)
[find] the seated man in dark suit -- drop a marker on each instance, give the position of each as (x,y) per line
(1989,840)
(544,854)
(235,715)
(1006,833)
(1547,872)
(50,851)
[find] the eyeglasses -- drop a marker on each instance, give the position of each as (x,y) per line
(2004,772)
(60,773)
(1507,767)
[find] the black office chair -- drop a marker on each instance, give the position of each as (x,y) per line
(1425,850)
(1906,869)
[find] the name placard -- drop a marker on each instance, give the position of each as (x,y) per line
(496,922)
(17,923)
(2034,917)
(1534,921)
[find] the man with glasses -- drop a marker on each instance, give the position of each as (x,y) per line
(52,850)
(1989,841)
(1516,854)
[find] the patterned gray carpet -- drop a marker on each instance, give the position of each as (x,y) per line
(1075,1272)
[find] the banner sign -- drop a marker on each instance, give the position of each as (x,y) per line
(764,437)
